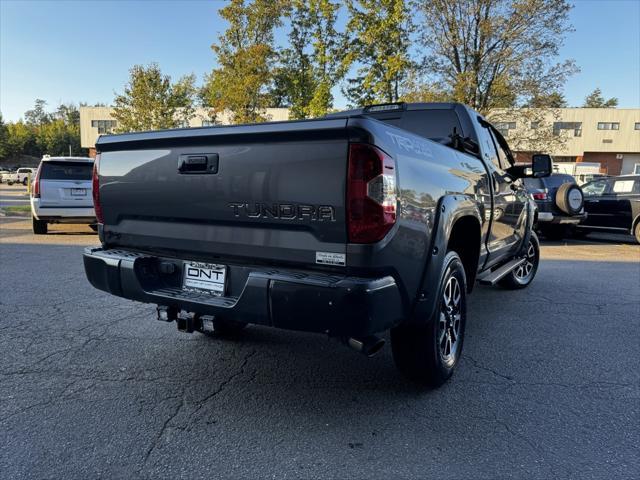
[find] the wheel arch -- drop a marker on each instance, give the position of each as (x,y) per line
(458,227)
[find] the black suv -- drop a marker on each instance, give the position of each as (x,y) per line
(613,204)
(560,203)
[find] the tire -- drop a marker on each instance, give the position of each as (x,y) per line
(25,181)
(522,276)
(225,328)
(569,198)
(39,227)
(93,227)
(420,350)
(636,231)
(9,183)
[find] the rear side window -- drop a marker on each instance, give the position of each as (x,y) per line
(432,124)
(623,186)
(66,171)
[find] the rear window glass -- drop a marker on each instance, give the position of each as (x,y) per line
(66,171)
(533,184)
(432,124)
(556,180)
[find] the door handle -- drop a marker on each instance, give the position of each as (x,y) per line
(198,163)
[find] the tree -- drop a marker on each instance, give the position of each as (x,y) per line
(379,38)
(550,100)
(21,140)
(310,66)
(38,115)
(69,113)
(495,53)
(244,54)
(596,100)
(4,139)
(150,101)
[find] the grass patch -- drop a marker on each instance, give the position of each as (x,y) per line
(17,210)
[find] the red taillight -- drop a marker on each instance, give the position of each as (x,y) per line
(539,195)
(95,183)
(371,193)
(36,183)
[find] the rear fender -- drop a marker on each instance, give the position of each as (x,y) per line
(450,209)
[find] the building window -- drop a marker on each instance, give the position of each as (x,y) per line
(575,126)
(104,126)
(636,126)
(607,140)
(535,125)
(608,126)
(504,127)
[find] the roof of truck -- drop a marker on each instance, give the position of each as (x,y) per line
(397,106)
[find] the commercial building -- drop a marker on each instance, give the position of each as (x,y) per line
(609,136)
(96,121)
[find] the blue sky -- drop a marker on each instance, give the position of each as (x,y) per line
(72,51)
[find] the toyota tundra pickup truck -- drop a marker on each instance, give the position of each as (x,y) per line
(376,219)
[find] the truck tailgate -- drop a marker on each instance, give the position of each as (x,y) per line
(272,192)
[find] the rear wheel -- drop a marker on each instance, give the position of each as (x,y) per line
(522,276)
(637,232)
(429,352)
(25,181)
(39,227)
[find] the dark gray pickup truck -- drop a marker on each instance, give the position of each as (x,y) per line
(350,225)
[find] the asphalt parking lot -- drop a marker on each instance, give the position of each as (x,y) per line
(93,386)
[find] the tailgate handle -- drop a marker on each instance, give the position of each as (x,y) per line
(198,163)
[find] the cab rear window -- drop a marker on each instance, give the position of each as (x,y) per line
(66,171)
(432,124)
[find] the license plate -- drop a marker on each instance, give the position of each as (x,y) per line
(79,192)
(206,277)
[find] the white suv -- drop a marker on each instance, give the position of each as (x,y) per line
(62,193)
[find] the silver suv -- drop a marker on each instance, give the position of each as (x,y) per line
(62,193)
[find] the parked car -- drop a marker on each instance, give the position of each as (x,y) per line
(62,193)
(3,172)
(367,220)
(21,175)
(613,204)
(560,204)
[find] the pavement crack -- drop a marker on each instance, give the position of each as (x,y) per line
(154,444)
(223,384)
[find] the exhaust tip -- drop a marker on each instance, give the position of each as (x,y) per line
(368,346)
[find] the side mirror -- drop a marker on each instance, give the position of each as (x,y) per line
(541,165)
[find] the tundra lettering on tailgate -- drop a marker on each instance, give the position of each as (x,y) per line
(284,211)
